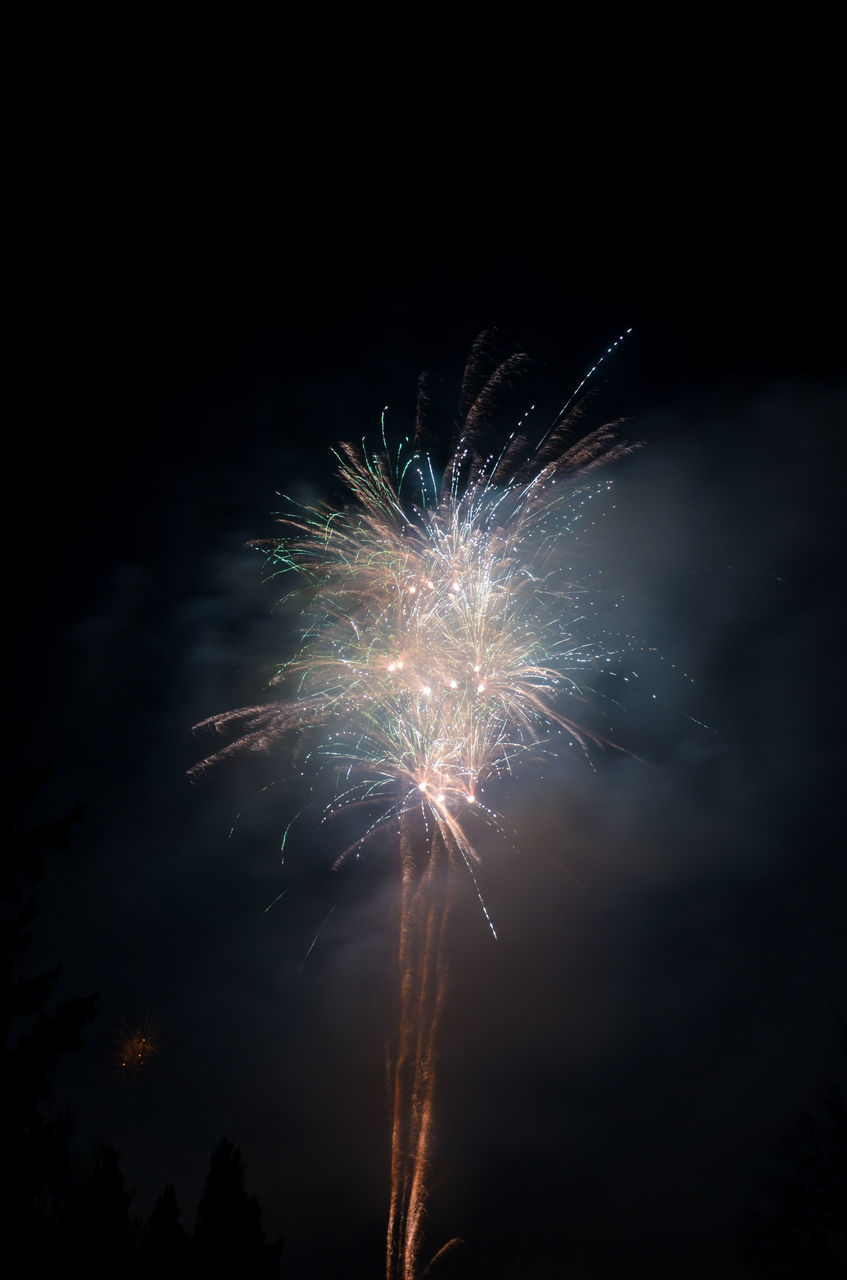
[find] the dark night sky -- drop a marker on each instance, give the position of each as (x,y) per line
(658,1008)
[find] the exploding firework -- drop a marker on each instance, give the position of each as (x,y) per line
(135,1046)
(443,632)
(134,1049)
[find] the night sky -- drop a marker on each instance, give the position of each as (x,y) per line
(661,1004)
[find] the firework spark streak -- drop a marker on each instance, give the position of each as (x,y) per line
(442,635)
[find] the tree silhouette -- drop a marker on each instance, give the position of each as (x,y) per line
(96,1231)
(165,1250)
(798,1227)
(36,1030)
(229,1237)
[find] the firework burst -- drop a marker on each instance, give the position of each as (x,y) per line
(134,1052)
(135,1045)
(442,634)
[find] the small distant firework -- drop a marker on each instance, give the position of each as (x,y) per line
(443,629)
(135,1048)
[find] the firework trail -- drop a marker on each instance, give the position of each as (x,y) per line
(441,636)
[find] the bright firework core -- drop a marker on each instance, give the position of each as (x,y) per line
(438,640)
(440,614)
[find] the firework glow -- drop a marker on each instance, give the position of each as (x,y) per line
(134,1052)
(443,638)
